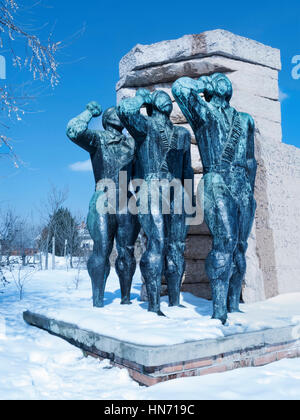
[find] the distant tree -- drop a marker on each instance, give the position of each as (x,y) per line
(21,275)
(16,235)
(81,263)
(64,227)
(55,199)
(10,223)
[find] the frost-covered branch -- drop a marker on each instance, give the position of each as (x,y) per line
(38,58)
(27,52)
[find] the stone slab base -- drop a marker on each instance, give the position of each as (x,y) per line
(149,365)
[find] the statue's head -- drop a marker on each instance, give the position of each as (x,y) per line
(110,117)
(222,86)
(162,102)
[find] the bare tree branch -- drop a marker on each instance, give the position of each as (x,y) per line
(38,57)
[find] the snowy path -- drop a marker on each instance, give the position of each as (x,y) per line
(35,365)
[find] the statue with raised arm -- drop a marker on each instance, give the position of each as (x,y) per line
(110,152)
(162,154)
(225,139)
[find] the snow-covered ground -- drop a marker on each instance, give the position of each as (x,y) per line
(36,365)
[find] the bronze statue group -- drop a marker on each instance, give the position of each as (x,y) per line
(155,149)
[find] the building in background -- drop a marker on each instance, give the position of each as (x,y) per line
(86,242)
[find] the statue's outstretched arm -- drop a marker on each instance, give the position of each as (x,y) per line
(131,117)
(187,93)
(77,129)
(251,161)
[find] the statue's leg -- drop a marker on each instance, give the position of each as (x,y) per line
(221,218)
(175,262)
(127,233)
(152,262)
(245,223)
(102,229)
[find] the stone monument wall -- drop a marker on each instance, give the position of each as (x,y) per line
(273,255)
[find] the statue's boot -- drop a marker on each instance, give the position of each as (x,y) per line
(126,236)
(125,268)
(152,274)
(174,286)
(99,269)
(234,293)
(102,229)
(219,289)
(236,281)
(246,218)
(153,259)
(219,270)
(175,267)
(153,286)
(175,262)
(125,280)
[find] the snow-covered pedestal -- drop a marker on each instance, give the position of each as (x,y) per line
(186,343)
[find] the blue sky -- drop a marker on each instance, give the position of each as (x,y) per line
(90,72)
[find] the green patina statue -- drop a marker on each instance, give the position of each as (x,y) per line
(225,139)
(162,154)
(111,152)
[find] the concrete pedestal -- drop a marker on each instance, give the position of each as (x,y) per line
(150,365)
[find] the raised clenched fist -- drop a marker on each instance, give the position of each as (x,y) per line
(94,108)
(146,95)
(206,85)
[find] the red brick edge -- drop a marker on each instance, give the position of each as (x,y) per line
(253,357)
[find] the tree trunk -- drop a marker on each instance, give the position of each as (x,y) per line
(47,252)
(53,253)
